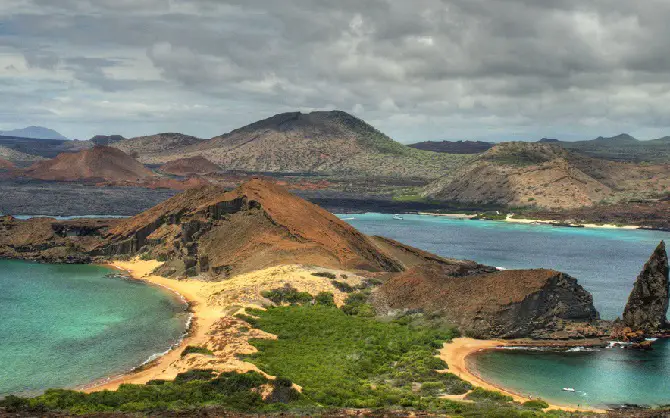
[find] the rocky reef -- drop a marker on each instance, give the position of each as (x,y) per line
(647,305)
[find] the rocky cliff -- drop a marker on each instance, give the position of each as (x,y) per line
(647,305)
(509,304)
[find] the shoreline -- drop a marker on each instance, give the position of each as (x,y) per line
(528,221)
(198,325)
(456,353)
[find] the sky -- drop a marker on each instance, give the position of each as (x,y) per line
(417,70)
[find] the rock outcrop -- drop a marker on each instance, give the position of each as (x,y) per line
(508,304)
(647,305)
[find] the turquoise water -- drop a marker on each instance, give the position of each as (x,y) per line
(605,261)
(610,376)
(69,325)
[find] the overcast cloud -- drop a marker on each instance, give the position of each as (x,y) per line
(417,70)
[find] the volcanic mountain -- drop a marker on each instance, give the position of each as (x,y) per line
(257,225)
(331,142)
(189,166)
(94,164)
(546,175)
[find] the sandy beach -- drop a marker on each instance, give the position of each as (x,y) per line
(214,326)
(455,354)
(551,221)
(202,320)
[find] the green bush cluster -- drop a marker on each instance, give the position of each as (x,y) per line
(342,286)
(325,274)
(536,404)
(349,361)
(191,349)
(287,294)
(480,394)
(196,388)
(356,304)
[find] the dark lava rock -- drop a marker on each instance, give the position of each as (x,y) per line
(648,302)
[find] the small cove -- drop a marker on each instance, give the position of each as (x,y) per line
(70,325)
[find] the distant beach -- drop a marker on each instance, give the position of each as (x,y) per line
(455,354)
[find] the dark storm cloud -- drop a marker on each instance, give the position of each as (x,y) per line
(424,69)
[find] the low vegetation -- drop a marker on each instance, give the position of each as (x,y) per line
(233,391)
(191,349)
(340,357)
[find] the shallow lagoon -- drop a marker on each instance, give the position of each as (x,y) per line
(69,325)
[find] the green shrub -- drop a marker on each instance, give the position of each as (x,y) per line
(480,394)
(287,294)
(356,305)
(351,361)
(195,374)
(191,349)
(325,299)
(536,404)
(342,286)
(325,274)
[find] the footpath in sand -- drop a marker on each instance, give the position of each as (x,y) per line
(214,325)
(455,354)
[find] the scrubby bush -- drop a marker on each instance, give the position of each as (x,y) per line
(287,294)
(191,349)
(536,404)
(480,394)
(325,299)
(342,286)
(325,274)
(356,305)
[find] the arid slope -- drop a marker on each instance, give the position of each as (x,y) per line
(547,176)
(94,164)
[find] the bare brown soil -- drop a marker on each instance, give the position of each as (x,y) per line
(98,163)
(189,166)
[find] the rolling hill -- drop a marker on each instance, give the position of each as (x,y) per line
(548,176)
(94,164)
(34,132)
(319,142)
(154,148)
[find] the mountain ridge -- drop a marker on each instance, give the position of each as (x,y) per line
(34,132)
